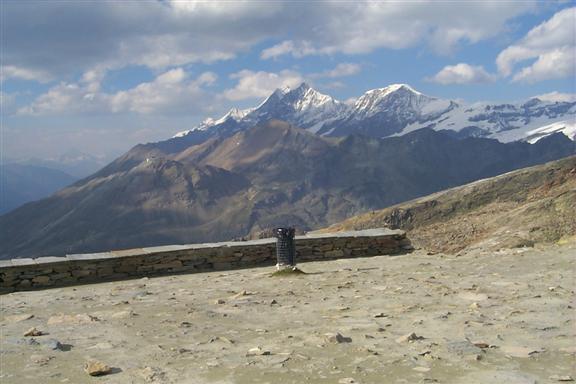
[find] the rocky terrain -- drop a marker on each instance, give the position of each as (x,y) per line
(270,175)
(517,209)
(477,317)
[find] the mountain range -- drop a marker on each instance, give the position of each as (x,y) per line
(248,181)
(392,111)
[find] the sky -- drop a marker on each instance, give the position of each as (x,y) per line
(102,76)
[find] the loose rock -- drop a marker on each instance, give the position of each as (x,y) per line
(337,338)
(33,332)
(257,351)
(96,368)
(410,337)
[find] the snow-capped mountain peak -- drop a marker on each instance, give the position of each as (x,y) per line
(235,114)
(397,99)
(396,110)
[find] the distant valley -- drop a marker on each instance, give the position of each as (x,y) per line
(22,183)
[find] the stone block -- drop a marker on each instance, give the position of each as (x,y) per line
(81,272)
(173,264)
(335,253)
(41,280)
(326,247)
(60,276)
(25,283)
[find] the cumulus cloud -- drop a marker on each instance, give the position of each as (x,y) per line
(170,92)
(64,38)
(260,84)
(462,73)
(361,27)
(552,44)
(67,38)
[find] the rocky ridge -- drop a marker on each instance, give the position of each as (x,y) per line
(517,209)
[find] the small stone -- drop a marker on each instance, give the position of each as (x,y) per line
(53,344)
(273,302)
(378,315)
(561,378)
(220,301)
(96,368)
(337,338)
(481,344)
(410,337)
(473,357)
(347,380)
(474,305)
(257,351)
(33,332)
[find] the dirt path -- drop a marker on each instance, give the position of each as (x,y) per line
(504,317)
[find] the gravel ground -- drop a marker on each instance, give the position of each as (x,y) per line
(481,317)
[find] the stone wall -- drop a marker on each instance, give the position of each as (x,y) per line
(42,272)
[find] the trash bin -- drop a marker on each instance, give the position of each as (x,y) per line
(285,250)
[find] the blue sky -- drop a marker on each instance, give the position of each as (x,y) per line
(102,76)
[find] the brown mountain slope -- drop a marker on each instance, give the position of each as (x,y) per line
(520,208)
(270,175)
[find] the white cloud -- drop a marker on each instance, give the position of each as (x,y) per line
(552,44)
(296,49)
(260,84)
(64,38)
(361,27)
(462,73)
(13,72)
(341,70)
(555,64)
(170,92)
(61,39)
